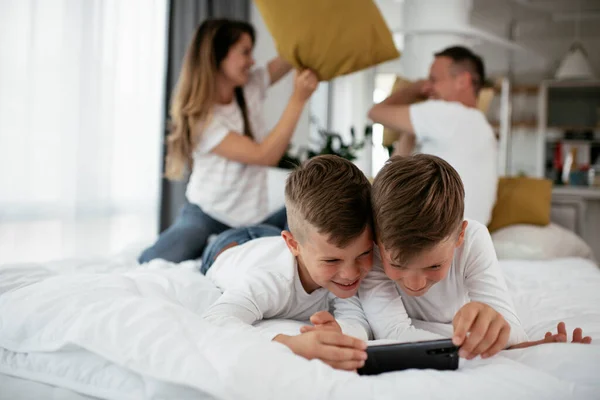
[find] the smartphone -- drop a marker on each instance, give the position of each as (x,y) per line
(433,354)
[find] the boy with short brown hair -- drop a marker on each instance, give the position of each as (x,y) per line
(438,272)
(295,274)
(436,268)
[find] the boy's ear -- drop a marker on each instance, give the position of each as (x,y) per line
(291,242)
(461,235)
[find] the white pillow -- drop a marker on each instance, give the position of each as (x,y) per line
(532,242)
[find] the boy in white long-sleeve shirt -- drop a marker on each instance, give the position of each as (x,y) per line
(436,274)
(323,258)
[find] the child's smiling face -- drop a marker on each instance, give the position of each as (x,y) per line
(418,274)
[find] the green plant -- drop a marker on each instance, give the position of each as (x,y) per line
(328,142)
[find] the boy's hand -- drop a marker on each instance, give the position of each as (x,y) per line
(338,350)
(322,320)
(487,329)
(559,337)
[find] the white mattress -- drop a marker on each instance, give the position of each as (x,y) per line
(127,333)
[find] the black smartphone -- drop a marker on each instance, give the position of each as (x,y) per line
(433,354)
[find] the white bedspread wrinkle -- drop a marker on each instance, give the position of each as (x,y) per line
(137,333)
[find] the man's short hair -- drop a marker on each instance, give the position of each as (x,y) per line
(468,61)
(418,202)
(332,195)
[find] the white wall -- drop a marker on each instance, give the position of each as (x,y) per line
(275,103)
(279,94)
(550,39)
(352,98)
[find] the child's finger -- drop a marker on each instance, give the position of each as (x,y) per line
(462,323)
(586,340)
(548,334)
(331,354)
(307,328)
(561,329)
(340,340)
(321,317)
(577,335)
(476,334)
(490,338)
(500,343)
(347,365)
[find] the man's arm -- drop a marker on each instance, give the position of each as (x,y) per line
(405,145)
(393,112)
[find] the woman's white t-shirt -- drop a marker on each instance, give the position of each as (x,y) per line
(229,191)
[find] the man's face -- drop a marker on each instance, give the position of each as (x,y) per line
(445,83)
(339,270)
(424,270)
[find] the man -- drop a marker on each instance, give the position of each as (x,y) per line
(448,125)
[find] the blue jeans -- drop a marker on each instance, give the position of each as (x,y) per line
(235,236)
(187,237)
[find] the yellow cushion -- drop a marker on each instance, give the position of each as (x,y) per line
(486,95)
(483,103)
(390,136)
(522,200)
(331,37)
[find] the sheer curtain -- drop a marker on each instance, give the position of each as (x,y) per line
(81,125)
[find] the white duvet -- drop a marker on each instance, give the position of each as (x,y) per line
(118,331)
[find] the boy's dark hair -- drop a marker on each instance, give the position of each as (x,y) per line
(468,61)
(330,194)
(418,202)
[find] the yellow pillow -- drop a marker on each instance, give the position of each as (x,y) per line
(483,103)
(390,136)
(522,200)
(331,37)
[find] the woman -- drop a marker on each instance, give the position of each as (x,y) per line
(218,132)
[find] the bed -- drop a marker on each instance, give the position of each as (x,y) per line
(112,329)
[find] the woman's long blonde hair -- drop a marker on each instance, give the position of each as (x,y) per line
(196,90)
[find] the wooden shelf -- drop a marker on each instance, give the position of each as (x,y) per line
(517,125)
(520,89)
(588,192)
(573,141)
(574,128)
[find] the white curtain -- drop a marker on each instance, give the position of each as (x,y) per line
(81,125)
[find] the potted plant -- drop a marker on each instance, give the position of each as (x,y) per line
(328,142)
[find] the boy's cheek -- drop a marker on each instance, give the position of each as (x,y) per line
(392,273)
(440,275)
(368,265)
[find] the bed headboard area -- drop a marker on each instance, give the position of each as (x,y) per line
(534,219)
(578,209)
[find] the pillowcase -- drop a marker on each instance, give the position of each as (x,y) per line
(530,242)
(521,200)
(390,136)
(331,37)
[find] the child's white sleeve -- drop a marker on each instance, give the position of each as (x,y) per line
(350,316)
(485,282)
(259,296)
(385,311)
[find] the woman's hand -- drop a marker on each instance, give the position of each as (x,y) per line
(305,83)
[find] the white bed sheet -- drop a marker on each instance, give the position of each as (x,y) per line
(26,389)
(118,367)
